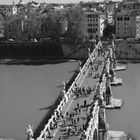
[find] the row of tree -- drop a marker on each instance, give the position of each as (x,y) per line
(53,24)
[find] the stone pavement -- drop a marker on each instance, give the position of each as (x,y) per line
(75,120)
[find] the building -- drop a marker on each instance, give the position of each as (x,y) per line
(95,24)
(125,26)
(8,10)
(137,27)
(126,21)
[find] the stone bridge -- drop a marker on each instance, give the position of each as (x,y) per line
(101,99)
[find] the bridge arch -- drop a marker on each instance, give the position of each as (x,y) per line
(95,135)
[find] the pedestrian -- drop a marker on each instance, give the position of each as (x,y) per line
(68,130)
(74,121)
(78,119)
(85,103)
(83,126)
(67,114)
(59,138)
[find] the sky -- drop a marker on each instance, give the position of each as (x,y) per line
(47,1)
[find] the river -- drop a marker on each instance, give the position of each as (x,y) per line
(25,92)
(128,117)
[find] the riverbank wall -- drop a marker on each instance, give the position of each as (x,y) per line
(53,52)
(30,50)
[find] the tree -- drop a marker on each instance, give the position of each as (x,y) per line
(12,28)
(53,24)
(76,24)
(24,26)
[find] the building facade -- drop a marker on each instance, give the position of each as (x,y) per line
(125,26)
(126,21)
(138,27)
(95,24)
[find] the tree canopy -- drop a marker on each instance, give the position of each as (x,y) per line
(69,23)
(76,24)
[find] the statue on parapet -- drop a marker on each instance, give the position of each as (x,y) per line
(64,85)
(29,132)
(89,52)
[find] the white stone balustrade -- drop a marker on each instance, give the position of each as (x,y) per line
(95,114)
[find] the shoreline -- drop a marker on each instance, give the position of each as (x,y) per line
(40,61)
(43,61)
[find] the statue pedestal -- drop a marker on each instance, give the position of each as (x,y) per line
(116,135)
(120,68)
(114,104)
(116,81)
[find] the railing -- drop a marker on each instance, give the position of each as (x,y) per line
(95,113)
(78,81)
(93,123)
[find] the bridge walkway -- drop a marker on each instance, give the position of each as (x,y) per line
(61,131)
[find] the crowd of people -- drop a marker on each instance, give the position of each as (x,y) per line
(72,122)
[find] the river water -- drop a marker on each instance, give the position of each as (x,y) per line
(25,92)
(128,117)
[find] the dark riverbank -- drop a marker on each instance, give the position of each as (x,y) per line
(31,50)
(39,61)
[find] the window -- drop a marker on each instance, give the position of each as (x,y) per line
(126,18)
(90,37)
(89,24)
(96,16)
(89,16)
(119,18)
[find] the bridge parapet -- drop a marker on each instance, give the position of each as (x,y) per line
(92,130)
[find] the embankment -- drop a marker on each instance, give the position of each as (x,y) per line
(30,50)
